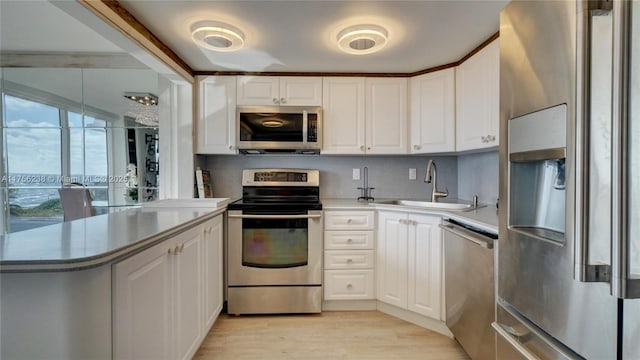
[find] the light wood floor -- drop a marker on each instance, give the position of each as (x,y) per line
(365,335)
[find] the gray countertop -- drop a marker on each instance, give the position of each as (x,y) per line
(485,218)
(96,240)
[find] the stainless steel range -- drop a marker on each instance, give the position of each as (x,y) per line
(275,243)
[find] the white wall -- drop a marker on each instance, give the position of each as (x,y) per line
(389,175)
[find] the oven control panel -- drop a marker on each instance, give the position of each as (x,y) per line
(280,177)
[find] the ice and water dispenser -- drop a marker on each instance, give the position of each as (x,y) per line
(537,178)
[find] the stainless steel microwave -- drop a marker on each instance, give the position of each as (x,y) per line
(279,129)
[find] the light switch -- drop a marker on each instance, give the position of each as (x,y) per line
(356,174)
(412,173)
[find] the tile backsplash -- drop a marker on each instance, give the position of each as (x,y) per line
(478,174)
(389,175)
(463,175)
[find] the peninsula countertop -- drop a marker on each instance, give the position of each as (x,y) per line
(97,240)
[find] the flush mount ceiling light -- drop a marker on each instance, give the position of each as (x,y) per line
(362,39)
(275,123)
(218,36)
(142,98)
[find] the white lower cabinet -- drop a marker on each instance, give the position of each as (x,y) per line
(213,271)
(409,262)
(349,255)
(167,297)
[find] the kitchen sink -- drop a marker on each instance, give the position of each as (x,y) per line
(430,205)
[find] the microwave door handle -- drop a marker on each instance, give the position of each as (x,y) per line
(305,126)
(585,271)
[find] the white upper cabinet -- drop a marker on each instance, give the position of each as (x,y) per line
(477,100)
(216,131)
(432,106)
(275,90)
(386,115)
(365,116)
(343,115)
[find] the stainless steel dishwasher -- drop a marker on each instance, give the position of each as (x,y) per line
(469,287)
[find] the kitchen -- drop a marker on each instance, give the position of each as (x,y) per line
(393,176)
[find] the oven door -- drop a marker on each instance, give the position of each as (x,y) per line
(274,248)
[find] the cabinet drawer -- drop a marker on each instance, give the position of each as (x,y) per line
(348,240)
(348,220)
(348,285)
(348,259)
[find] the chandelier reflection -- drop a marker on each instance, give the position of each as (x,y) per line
(143,108)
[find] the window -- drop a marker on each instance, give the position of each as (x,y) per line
(33,143)
(46,147)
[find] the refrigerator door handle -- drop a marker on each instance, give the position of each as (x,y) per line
(623,284)
(509,334)
(586,268)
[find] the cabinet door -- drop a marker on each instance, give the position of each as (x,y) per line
(143,303)
(477,100)
(386,115)
(188,292)
(300,91)
(216,129)
(258,90)
(391,260)
(432,125)
(425,265)
(213,272)
(343,115)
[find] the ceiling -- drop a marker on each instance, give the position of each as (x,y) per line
(29,26)
(299,36)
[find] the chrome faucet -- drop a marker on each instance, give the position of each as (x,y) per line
(435,194)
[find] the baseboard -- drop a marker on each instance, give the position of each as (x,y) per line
(426,322)
(349,305)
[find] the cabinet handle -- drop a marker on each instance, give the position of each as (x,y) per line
(349,221)
(349,240)
(230,147)
(181,247)
(483,139)
(491,138)
(416,147)
(362,147)
(349,261)
(349,286)
(368,148)
(275,100)
(283,101)
(170,251)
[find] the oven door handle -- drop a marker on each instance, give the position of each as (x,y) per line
(249,216)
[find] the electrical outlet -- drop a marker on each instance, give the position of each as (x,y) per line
(356,174)
(412,173)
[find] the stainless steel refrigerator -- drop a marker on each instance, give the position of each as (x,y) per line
(569,252)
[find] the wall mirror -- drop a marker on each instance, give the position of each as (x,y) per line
(75,127)
(75,112)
